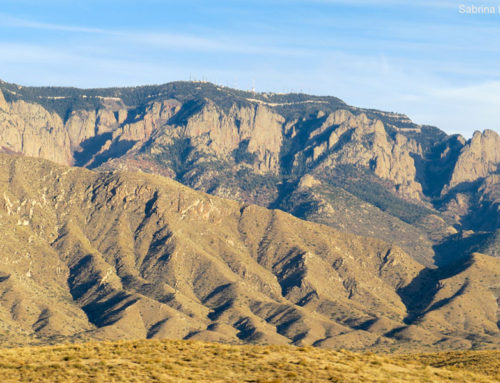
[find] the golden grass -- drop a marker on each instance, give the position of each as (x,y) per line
(188,361)
(482,362)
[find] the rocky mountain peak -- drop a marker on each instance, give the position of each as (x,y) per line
(479,157)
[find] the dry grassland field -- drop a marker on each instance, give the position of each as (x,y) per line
(190,361)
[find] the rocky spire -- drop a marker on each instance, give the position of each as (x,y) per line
(3,103)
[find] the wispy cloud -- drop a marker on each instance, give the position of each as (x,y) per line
(15,22)
(163,39)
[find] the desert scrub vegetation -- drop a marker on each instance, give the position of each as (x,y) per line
(186,361)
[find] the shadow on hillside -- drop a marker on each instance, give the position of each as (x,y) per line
(90,148)
(454,248)
(418,295)
(117,149)
(106,312)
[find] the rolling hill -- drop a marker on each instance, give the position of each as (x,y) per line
(88,255)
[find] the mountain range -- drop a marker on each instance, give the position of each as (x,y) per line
(217,214)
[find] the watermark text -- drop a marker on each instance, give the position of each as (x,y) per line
(471,9)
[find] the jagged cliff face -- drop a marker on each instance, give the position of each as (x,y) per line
(478,159)
(31,130)
(215,133)
(339,138)
(88,255)
(362,142)
(421,184)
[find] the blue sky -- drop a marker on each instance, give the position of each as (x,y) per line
(423,58)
